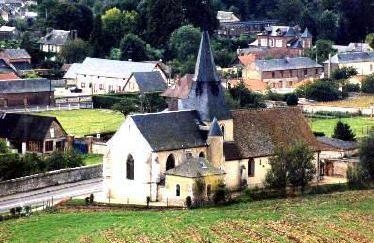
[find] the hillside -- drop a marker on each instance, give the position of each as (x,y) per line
(339,217)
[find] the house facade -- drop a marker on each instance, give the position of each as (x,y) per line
(363,62)
(19,59)
(25,92)
(54,40)
(282,73)
(161,155)
(32,133)
(145,82)
(101,76)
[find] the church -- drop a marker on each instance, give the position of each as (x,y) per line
(160,155)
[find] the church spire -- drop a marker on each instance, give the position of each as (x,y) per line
(205,69)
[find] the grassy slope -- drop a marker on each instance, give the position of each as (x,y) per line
(92,159)
(358,125)
(356,102)
(327,218)
(87,121)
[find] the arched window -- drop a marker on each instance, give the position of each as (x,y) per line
(170,162)
(251,168)
(223,131)
(202,155)
(178,190)
(130,167)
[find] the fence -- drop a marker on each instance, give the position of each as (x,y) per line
(52,178)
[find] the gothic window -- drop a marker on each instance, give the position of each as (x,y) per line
(202,155)
(178,190)
(170,162)
(251,168)
(130,167)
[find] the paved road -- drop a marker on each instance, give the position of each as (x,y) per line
(58,193)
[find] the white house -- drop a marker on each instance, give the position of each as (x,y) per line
(101,76)
(161,155)
(362,61)
(53,41)
(145,82)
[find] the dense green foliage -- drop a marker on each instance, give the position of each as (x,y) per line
(344,132)
(367,84)
(3,147)
(75,51)
(343,73)
(14,166)
(367,155)
(291,166)
(320,90)
(246,98)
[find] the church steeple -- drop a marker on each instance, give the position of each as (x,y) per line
(205,69)
(206,94)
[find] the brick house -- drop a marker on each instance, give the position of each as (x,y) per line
(32,133)
(282,73)
(25,92)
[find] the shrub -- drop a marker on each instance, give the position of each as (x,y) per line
(3,147)
(292,100)
(91,198)
(356,177)
(12,211)
(367,155)
(221,194)
(351,88)
(320,90)
(319,134)
(148,200)
(367,84)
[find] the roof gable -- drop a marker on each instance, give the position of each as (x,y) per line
(170,130)
(150,81)
(195,167)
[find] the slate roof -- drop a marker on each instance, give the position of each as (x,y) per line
(25,86)
(171,130)
(17,54)
(337,143)
(25,126)
(226,16)
(351,57)
(149,82)
(206,94)
(195,167)
(72,71)
(306,34)
(215,130)
(276,30)
(181,89)
(113,68)
(22,66)
(286,64)
(258,132)
(56,37)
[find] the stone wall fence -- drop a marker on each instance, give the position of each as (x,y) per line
(51,178)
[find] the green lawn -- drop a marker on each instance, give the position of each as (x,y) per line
(359,125)
(87,121)
(92,159)
(339,217)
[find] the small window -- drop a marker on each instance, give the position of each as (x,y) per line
(305,71)
(273,74)
(202,155)
(130,167)
(188,155)
(316,70)
(178,190)
(83,85)
(281,73)
(52,132)
(48,145)
(170,162)
(223,131)
(251,168)
(101,86)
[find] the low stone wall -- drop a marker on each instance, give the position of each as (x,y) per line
(52,178)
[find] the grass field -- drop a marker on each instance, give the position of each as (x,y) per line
(359,125)
(87,121)
(339,217)
(355,102)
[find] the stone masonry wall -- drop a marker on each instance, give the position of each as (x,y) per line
(52,178)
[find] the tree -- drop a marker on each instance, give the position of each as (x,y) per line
(289,12)
(184,42)
(3,147)
(75,51)
(367,84)
(125,106)
(198,189)
(370,40)
(343,73)
(71,16)
(276,176)
(97,39)
(291,165)
(201,14)
(322,49)
(301,169)
(134,48)
(344,132)
(116,23)
(367,155)
(292,100)
(245,97)
(320,90)
(115,54)
(29,42)
(163,17)
(328,24)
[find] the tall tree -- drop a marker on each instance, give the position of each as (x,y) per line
(134,48)
(75,51)
(184,42)
(367,154)
(163,17)
(97,39)
(200,13)
(328,24)
(344,132)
